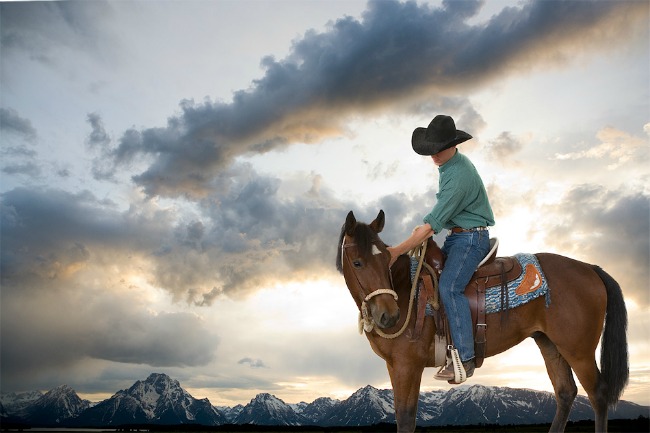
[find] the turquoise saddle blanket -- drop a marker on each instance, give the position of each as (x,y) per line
(531,284)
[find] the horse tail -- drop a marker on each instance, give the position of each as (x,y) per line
(614,365)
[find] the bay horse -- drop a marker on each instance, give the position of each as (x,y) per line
(585,303)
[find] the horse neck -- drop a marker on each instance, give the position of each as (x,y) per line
(401,272)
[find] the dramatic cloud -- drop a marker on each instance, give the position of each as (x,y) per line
(249,236)
(397,51)
(245,236)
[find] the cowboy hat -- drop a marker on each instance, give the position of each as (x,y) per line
(441,134)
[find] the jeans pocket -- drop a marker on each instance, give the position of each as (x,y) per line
(483,241)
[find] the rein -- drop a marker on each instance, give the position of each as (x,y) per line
(366,322)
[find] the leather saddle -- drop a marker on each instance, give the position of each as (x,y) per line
(491,272)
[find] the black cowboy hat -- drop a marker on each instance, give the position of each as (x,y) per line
(441,134)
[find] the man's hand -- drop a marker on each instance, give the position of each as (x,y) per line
(419,234)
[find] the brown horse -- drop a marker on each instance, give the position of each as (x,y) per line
(585,303)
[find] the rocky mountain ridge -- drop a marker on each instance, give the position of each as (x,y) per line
(161,400)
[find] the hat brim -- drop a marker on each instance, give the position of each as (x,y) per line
(424,147)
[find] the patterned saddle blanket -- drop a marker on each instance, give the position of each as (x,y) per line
(529,285)
(524,281)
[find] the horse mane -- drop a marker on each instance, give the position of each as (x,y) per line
(363,236)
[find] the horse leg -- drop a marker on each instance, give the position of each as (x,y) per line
(595,387)
(406,390)
(559,372)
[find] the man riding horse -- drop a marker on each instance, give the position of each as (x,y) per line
(463,208)
(581,302)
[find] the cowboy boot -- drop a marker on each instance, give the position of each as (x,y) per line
(448,374)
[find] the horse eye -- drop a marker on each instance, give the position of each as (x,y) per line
(357,264)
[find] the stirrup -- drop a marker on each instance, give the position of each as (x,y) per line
(453,371)
(460,375)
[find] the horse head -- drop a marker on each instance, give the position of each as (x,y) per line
(363,260)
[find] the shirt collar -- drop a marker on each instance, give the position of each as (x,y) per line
(452,161)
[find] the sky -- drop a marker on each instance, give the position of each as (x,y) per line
(174,177)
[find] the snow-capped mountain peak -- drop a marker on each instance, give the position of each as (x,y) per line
(267,409)
(161,400)
(157,400)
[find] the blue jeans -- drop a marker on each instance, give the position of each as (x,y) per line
(464,252)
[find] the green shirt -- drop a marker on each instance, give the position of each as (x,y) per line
(461,199)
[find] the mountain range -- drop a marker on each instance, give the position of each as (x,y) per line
(160,399)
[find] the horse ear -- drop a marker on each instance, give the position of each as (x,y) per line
(350,224)
(378,224)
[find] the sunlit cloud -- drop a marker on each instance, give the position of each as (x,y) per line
(615,145)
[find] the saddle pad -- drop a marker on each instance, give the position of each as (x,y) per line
(531,284)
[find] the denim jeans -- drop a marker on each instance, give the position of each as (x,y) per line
(464,252)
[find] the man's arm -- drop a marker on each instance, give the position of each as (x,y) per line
(419,235)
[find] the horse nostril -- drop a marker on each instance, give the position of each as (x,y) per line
(387,320)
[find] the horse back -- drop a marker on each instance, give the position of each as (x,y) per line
(572,281)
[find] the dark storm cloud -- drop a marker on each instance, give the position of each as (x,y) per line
(249,235)
(396,52)
(245,236)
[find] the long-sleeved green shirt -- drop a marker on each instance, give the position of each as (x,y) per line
(461,199)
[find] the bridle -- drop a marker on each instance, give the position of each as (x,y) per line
(366,319)
(368,322)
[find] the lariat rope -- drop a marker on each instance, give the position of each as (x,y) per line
(365,320)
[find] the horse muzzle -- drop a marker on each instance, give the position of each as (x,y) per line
(387,320)
(385,312)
